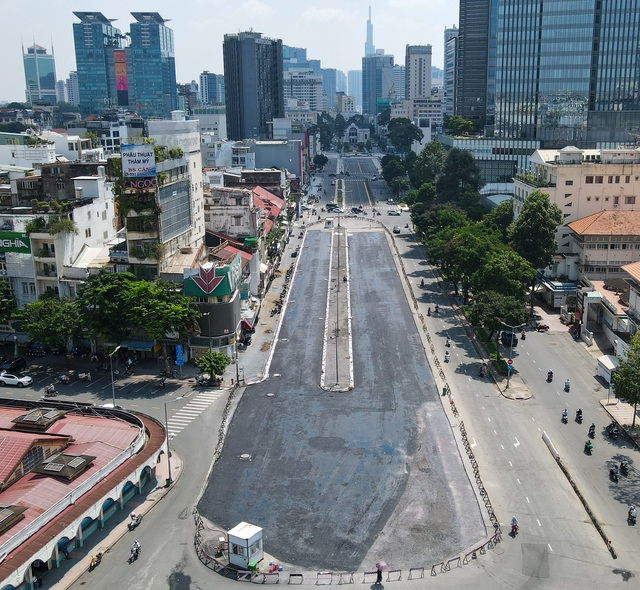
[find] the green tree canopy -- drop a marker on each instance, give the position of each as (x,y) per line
(384,116)
(460,180)
(212,363)
(392,170)
(54,322)
(399,184)
(457,125)
(320,160)
(505,271)
(428,165)
(626,378)
(431,220)
(7,302)
(401,132)
(500,218)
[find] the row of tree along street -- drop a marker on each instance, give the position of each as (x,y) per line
(484,253)
(113,308)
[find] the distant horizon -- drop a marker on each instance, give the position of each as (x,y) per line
(333,33)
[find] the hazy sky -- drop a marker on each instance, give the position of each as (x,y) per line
(332,30)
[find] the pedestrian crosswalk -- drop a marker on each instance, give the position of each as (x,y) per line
(185,415)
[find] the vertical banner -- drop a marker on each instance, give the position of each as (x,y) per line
(122,84)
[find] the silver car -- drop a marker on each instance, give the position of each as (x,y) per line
(19,380)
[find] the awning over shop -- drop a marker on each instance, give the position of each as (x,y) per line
(263,268)
(8,337)
(246,325)
(141,345)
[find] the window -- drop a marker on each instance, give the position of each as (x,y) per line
(59,185)
(238,200)
(87,232)
(237,220)
(588,179)
(627,179)
(591,246)
(588,198)
(569,182)
(71,147)
(599,179)
(27,184)
(89,215)
(72,291)
(610,179)
(597,198)
(614,246)
(629,200)
(105,235)
(567,195)
(237,549)
(104,216)
(601,269)
(602,246)
(617,179)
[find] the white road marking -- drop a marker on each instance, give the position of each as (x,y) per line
(518,480)
(538,522)
(550,549)
(489,419)
(510,464)
(494,432)
(502,447)
(533,418)
(528,502)
(517,443)
(474,443)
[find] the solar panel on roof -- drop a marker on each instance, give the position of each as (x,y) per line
(76,462)
(32,417)
(4,514)
(50,414)
(54,467)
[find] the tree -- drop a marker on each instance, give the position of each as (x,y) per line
(160,309)
(7,302)
(533,234)
(460,177)
(428,165)
(626,378)
(504,271)
(457,125)
(401,132)
(492,308)
(500,218)
(103,303)
(399,184)
(320,160)
(54,322)
(368,146)
(213,363)
(93,137)
(384,116)
(340,126)
(392,170)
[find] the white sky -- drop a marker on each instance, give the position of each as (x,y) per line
(333,31)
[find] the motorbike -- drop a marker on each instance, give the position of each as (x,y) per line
(549,376)
(201,380)
(64,379)
(632,515)
(523,335)
(483,370)
(588,447)
(422,282)
(612,430)
(50,391)
(448,342)
(565,416)
(613,474)
(624,468)
(567,385)
(84,376)
(136,519)
(592,430)
(514,528)
(446,357)
(579,416)
(135,553)
(95,561)
(406,226)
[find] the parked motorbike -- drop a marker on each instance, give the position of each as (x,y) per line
(588,447)
(624,468)
(64,379)
(613,474)
(201,380)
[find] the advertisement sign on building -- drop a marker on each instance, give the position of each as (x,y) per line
(13,241)
(122,84)
(138,161)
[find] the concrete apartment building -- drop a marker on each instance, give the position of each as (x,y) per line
(582,182)
(304,85)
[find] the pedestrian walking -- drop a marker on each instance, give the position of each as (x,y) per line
(379,577)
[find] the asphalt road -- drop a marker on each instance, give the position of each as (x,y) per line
(328,471)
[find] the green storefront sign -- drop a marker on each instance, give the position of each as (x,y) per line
(13,241)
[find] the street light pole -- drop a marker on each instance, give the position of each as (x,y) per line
(166,433)
(113,389)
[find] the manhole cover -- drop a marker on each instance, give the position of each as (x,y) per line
(271,394)
(284,340)
(245,457)
(277,375)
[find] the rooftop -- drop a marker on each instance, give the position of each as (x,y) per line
(608,223)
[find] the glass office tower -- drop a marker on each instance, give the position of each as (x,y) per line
(40,75)
(562,72)
(151,66)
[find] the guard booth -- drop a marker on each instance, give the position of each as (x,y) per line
(328,223)
(245,545)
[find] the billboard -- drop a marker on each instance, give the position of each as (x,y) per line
(13,241)
(138,161)
(122,83)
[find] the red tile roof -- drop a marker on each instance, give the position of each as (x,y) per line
(608,223)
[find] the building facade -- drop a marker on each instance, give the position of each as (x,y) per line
(254,92)
(211,88)
(418,71)
(304,85)
(377,80)
(354,88)
(40,75)
(450,45)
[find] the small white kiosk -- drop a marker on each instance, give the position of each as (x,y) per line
(328,223)
(607,364)
(245,545)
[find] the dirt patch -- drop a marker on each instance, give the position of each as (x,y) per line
(266,346)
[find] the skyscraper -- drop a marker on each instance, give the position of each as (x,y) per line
(330,85)
(73,93)
(354,78)
(564,73)
(369,48)
(399,83)
(151,65)
(39,74)
(96,43)
(377,81)
(418,71)
(211,88)
(450,45)
(253,84)
(303,84)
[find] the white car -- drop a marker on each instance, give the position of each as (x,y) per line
(394,212)
(19,380)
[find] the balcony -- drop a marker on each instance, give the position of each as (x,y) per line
(534,181)
(44,255)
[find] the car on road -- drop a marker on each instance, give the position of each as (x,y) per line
(333,183)
(390,201)
(396,229)
(338,210)
(305,207)
(331,206)
(374,178)
(11,379)
(357,210)
(394,212)
(352,215)
(332,173)
(14,365)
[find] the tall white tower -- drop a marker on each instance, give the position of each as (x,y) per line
(369,49)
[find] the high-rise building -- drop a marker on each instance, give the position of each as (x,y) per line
(354,78)
(330,85)
(450,44)
(254,92)
(40,75)
(399,82)
(574,83)
(369,49)
(97,43)
(152,66)
(294,57)
(316,66)
(377,81)
(73,92)
(61,91)
(418,71)
(304,85)
(211,88)
(341,81)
